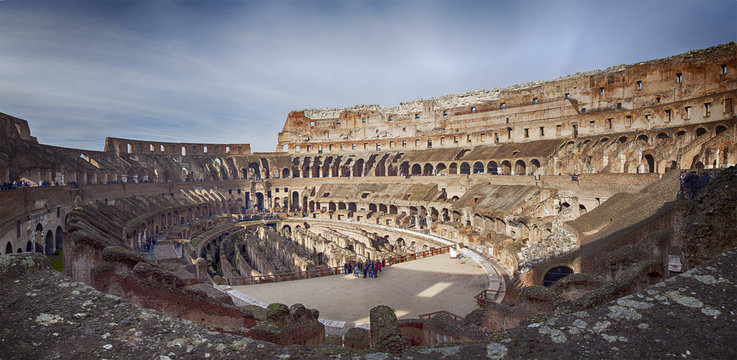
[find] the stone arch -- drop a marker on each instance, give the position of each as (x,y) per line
(286,230)
(254,170)
(427,170)
(285,173)
(358,167)
(720,129)
(465,168)
(582,209)
(520,168)
(506,168)
(295,201)
(643,138)
(416,169)
(650,161)
(317,167)
(534,166)
(39,238)
(404,168)
(563,206)
(49,243)
(700,131)
(9,248)
(478,167)
(492,167)
(260,201)
(453,168)
(555,274)
(382,208)
(29,246)
(440,169)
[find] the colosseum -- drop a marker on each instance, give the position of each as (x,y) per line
(587,216)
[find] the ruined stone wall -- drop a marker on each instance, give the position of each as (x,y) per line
(119,145)
(561,106)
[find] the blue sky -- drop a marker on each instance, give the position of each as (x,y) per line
(230,71)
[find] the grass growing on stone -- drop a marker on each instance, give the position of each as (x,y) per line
(57,261)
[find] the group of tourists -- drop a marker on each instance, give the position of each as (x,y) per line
(369,269)
(148,246)
(14,185)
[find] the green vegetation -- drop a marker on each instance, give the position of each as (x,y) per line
(57,261)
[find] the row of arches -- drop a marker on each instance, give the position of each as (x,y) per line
(43,241)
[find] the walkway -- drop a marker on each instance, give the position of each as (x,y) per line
(411,288)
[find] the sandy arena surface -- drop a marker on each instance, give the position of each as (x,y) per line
(411,288)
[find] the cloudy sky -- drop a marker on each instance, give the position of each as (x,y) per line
(230,71)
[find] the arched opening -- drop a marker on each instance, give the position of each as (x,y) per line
(465,168)
(416,169)
(650,163)
(29,246)
(49,243)
(643,138)
(316,168)
(556,274)
(534,166)
(427,170)
(244,174)
(563,206)
(491,168)
(662,138)
(260,201)
(358,168)
(440,169)
(285,173)
(478,167)
(700,131)
(506,168)
(720,129)
(39,238)
(295,201)
(254,171)
(453,169)
(9,248)
(520,168)
(582,209)
(404,169)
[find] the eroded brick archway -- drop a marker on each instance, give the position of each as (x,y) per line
(556,273)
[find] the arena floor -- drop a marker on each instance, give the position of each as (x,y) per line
(411,288)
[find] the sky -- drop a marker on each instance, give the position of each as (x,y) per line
(231,71)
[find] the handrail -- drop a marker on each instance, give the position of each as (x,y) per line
(432,314)
(336,270)
(483,299)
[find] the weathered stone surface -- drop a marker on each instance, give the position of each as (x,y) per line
(385,334)
(357,338)
(287,326)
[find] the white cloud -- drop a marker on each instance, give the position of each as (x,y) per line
(231,71)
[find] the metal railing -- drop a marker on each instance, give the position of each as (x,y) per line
(336,270)
(432,314)
(483,299)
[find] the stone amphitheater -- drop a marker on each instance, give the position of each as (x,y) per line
(588,216)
